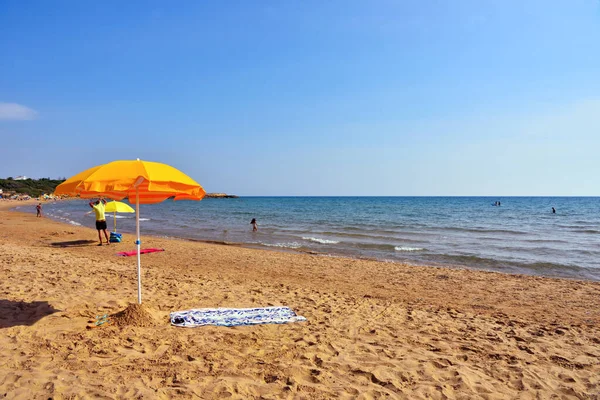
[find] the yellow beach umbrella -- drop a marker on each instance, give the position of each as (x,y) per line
(115,207)
(141,182)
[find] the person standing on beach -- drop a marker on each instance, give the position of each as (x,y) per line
(99,207)
(38,208)
(254,225)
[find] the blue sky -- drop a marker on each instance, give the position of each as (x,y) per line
(309,98)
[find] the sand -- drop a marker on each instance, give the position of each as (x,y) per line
(374,330)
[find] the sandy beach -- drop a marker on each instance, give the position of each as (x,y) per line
(374,329)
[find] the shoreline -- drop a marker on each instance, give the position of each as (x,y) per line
(374,329)
(256,246)
(291,252)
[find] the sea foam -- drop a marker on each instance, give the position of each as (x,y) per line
(290,245)
(322,241)
(399,248)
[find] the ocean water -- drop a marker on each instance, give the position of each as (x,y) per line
(520,236)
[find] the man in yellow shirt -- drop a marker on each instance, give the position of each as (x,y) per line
(99,207)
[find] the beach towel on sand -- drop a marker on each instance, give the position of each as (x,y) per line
(234,316)
(142,251)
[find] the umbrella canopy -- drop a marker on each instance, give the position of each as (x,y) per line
(141,182)
(115,207)
(118,206)
(117,180)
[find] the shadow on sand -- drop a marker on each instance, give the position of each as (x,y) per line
(21,313)
(74,243)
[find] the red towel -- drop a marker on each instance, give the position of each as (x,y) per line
(142,251)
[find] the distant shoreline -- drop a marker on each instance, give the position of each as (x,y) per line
(220,196)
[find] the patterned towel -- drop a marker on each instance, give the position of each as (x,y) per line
(234,316)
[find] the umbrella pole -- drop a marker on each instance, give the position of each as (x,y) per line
(137,242)
(115,221)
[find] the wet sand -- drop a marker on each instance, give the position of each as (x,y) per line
(374,330)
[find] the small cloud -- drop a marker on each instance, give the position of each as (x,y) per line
(14,111)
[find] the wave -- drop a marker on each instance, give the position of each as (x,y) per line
(480,230)
(61,218)
(383,228)
(535,268)
(398,248)
(394,235)
(144,219)
(289,245)
(543,240)
(110,215)
(373,246)
(585,231)
(322,241)
(361,228)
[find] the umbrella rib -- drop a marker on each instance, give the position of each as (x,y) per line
(146,174)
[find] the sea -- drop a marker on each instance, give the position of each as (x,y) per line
(521,235)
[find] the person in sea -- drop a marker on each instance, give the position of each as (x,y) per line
(99,206)
(38,208)
(254,225)
(553,210)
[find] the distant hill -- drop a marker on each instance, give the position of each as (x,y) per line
(32,187)
(37,187)
(221,196)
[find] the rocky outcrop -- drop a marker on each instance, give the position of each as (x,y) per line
(221,196)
